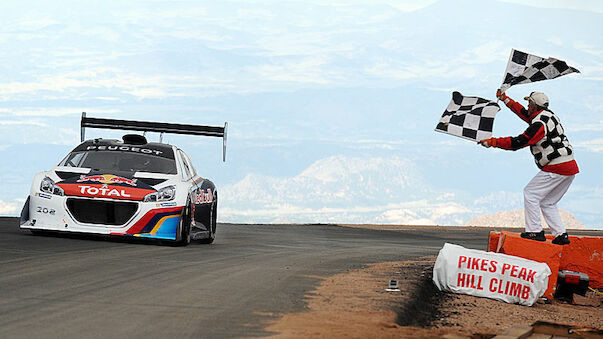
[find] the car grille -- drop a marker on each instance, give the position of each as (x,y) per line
(101,211)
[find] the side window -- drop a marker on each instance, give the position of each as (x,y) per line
(190,164)
(72,160)
(186,171)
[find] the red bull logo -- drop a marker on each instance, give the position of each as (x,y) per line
(204,197)
(107,179)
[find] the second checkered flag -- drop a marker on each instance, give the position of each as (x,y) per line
(524,68)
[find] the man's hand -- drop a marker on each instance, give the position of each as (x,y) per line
(502,96)
(491,142)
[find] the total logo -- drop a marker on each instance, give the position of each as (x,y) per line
(204,197)
(107,179)
(103,191)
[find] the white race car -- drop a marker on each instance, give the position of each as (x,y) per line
(127,187)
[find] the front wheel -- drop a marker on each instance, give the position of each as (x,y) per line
(185,227)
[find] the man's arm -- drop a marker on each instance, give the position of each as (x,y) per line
(514,106)
(533,134)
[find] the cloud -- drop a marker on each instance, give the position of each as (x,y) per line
(51,112)
(8,208)
(22,123)
(595,103)
(408,6)
(248,48)
(30,131)
(446,196)
(490,52)
(149,92)
(309,70)
(585,5)
(74,83)
(588,48)
(586,127)
(463,67)
(30,23)
(595,145)
(160,15)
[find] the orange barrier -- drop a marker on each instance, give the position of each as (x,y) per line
(512,244)
(493,241)
(584,254)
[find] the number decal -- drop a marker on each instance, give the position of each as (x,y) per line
(46,210)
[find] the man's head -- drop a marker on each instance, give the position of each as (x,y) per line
(537,101)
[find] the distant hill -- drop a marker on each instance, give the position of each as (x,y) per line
(342,189)
(515,218)
(365,190)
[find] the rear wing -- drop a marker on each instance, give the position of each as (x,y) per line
(159,127)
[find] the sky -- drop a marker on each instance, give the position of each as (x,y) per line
(331,105)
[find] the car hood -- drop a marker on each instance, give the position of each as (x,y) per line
(103,184)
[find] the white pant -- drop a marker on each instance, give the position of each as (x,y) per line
(543,192)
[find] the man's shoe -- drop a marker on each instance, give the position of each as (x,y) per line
(538,236)
(561,239)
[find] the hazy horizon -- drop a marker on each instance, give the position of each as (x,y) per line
(331,105)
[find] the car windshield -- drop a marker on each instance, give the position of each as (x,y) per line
(120,161)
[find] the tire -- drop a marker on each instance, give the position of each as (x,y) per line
(214,216)
(212,221)
(185,227)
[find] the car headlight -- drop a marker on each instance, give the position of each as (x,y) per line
(164,194)
(48,186)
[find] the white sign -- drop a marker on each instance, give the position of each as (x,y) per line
(492,275)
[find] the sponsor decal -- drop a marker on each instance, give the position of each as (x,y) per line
(107,179)
(45,210)
(204,197)
(123,149)
(105,191)
(198,184)
(43,195)
(160,223)
(166,204)
(492,275)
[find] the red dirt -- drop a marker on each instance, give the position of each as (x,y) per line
(356,305)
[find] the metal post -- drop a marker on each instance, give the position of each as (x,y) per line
(83,132)
(224,142)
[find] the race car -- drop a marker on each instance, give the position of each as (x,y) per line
(129,187)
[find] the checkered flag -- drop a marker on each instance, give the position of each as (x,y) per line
(525,68)
(468,117)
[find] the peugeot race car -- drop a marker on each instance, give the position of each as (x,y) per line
(127,187)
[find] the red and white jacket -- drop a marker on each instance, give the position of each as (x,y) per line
(546,138)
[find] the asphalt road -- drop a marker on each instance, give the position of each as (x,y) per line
(66,286)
